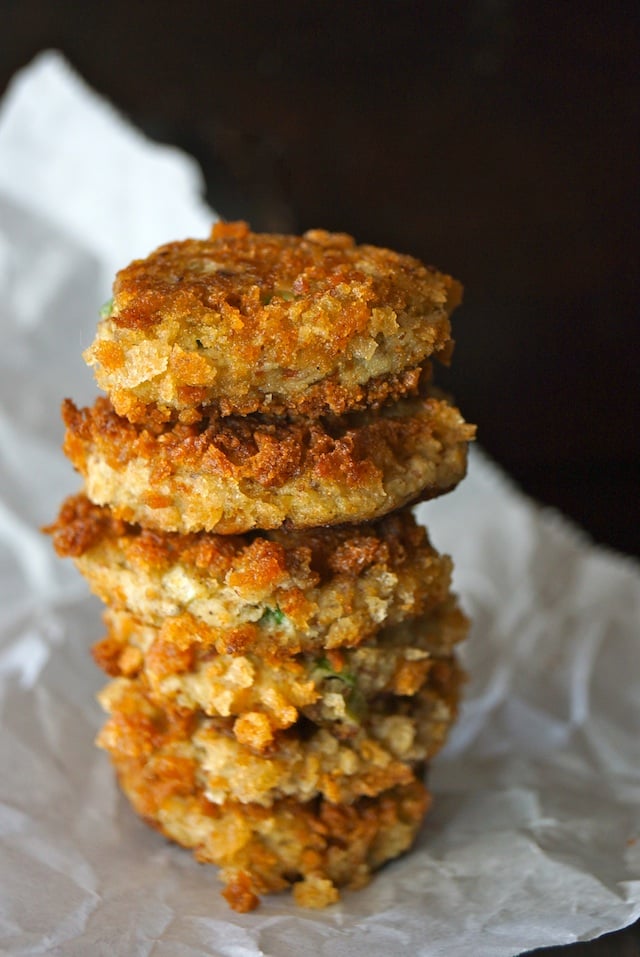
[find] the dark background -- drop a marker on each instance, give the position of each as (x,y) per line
(496,139)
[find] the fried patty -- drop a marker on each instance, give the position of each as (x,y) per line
(280,631)
(340,763)
(183,672)
(314,847)
(248,322)
(277,592)
(233,475)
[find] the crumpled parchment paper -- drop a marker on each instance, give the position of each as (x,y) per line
(534,837)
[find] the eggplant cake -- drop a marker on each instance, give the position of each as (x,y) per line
(280,633)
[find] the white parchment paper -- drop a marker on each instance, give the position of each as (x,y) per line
(535,834)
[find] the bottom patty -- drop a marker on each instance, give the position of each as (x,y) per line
(315,846)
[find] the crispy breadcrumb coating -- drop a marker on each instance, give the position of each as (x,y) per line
(183,672)
(247,322)
(280,632)
(276,592)
(339,761)
(314,847)
(232,475)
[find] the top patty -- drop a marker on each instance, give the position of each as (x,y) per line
(248,322)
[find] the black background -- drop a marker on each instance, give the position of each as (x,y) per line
(496,139)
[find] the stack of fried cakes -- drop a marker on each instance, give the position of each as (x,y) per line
(280,630)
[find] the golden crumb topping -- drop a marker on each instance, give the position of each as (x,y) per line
(234,474)
(250,322)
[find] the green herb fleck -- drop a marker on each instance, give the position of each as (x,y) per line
(355,702)
(107,309)
(285,294)
(272,616)
(323,665)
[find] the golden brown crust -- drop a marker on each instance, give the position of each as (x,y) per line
(232,475)
(313,847)
(248,322)
(278,592)
(183,671)
(280,631)
(340,761)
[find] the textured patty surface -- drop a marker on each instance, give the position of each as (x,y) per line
(316,847)
(264,692)
(269,593)
(249,322)
(280,632)
(340,763)
(233,475)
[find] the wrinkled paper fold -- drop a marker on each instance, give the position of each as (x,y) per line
(534,835)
